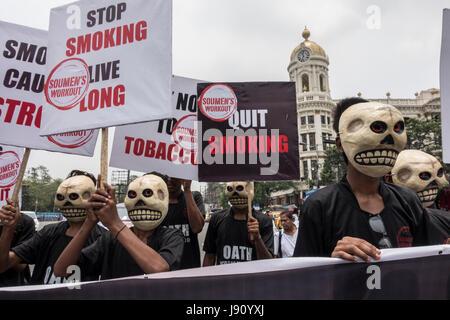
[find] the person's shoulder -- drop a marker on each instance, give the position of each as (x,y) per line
(324,194)
(165,232)
(27,220)
(408,195)
(53,228)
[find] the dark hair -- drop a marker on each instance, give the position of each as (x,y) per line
(75,173)
(288,214)
(162,176)
(343,105)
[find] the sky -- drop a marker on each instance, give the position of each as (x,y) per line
(373,47)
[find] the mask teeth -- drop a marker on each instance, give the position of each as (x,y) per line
(238,201)
(144,215)
(73,212)
(379,157)
(428,195)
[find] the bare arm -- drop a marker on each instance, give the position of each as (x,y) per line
(253,229)
(195,217)
(10,217)
(209,259)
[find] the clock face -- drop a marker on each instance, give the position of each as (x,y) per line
(303,55)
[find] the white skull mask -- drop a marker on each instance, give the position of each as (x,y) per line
(72,196)
(372,136)
(239,192)
(147,202)
(421,172)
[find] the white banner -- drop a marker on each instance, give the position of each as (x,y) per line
(10,160)
(445,86)
(110,64)
(168,146)
(22,68)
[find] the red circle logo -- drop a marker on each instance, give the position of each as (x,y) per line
(185,132)
(9,168)
(67,84)
(71,140)
(218,102)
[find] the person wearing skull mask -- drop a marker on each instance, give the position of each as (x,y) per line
(361,214)
(186,212)
(424,174)
(232,235)
(44,248)
(148,247)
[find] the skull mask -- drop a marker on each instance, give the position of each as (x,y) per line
(239,192)
(372,135)
(72,196)
(420,172)
(147,202)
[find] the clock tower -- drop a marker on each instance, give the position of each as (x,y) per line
(308,68)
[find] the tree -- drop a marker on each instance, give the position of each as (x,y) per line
(264,189)
(38,190)
(334,166)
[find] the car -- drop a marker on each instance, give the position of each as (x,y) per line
(33,216)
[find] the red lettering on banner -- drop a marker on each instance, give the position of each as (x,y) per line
(26,112)
(248,144)
(103,98)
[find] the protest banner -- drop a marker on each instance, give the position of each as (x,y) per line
(445,86)
(10,160)
(168,146)
(22,69)
(110,64)
(247,131)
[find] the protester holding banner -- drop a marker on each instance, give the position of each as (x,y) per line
(146,248)
(361,214)
(234,236)
(186,213)
(25,230)
(424,174)
(285,239)
(44,248)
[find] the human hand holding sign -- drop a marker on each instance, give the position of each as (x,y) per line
(10,215)
(186,185)
(347,248)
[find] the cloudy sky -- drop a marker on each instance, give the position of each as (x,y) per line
(373,46)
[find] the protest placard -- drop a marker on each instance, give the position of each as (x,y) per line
(445,86)
(168,146)
(10,159)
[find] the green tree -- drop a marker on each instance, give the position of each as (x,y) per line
(334,166)
(38,190)
(264,189)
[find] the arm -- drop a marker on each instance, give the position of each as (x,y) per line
(10,217)
(209,259)
(195,217)
(261,250)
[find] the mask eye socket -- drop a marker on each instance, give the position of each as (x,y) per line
(147,193)
(73,196)
(378,127)
(399,127)
(239,188)
(229,189)
(86,195)
(60,197)
(440,173)
(425,175)
(132,194)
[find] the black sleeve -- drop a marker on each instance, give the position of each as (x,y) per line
(199,202)
(29,249)
(171,247)
(92,256)
(26,230)
(310,231)
(209,245)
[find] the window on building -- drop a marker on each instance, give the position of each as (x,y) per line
(324,138)
(322,119)
(314,170)
(305,169)
(322,83)
(311,119)
(305,145)
(305,83)
(303,121)
(312,141)
(328,120)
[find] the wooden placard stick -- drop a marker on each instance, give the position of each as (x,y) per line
(23,167)
(104,157)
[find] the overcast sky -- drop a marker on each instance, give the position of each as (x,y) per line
(373,46)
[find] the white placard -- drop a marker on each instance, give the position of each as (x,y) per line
(109,64)
(167,146)
(445,86)
(22,71)
(10,160)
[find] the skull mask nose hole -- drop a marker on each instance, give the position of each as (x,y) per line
(68,204)
(140,203)
(388,140)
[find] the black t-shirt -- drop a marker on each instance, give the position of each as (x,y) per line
(439,226)
(228,238)
(109,259)
(333,212)
(177,219)
(45,247)
(24,231)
